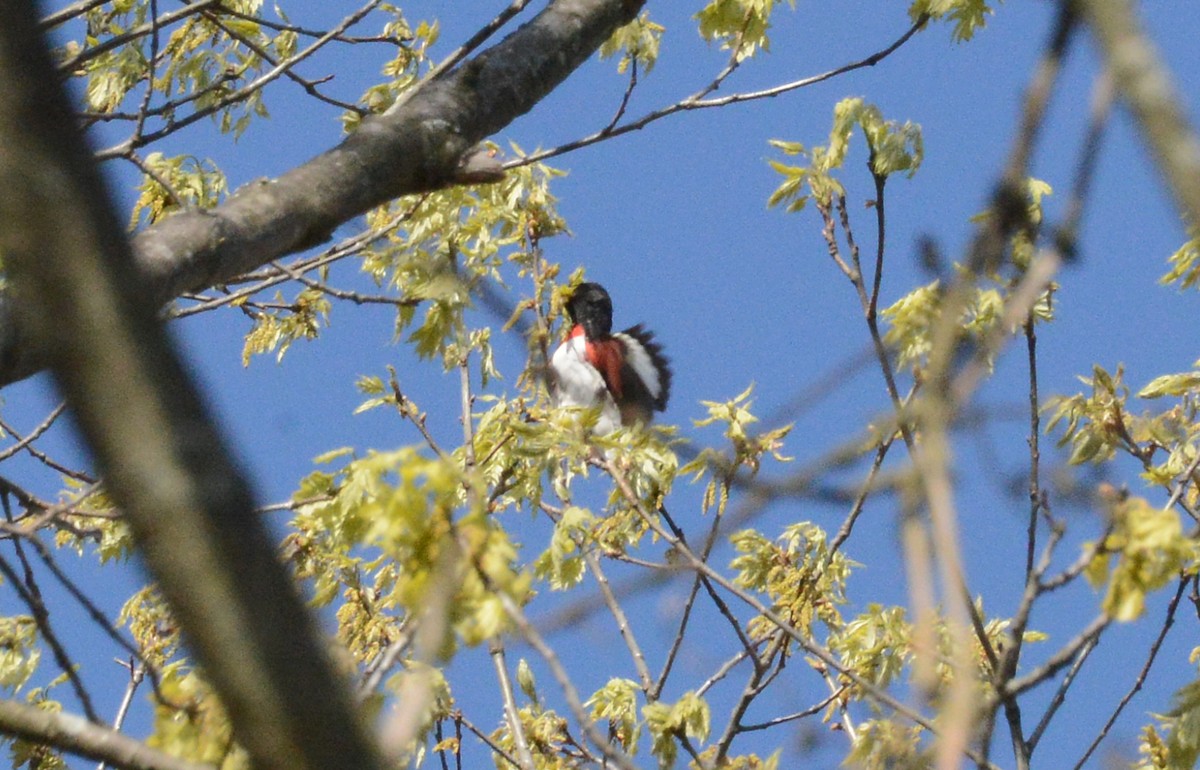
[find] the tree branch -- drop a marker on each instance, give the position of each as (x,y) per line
(414,147)
(76,735)
(88,313)
(1144,83)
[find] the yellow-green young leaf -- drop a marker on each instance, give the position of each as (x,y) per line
(112,75)
(616,703)
(787,148)
(893,148)
(244,27)
(19,654)
(875,645)
(189,721)
(1147,548)
(285,44)
(1022,242)
(1096,425)
(967,16)
(884,744)
(791,190)
(1179,749)
(638,41)
(1185,262)
(797,571)
(740,25)
(174,182)
(263,337)
(276,329)
(1096,572)
(546,735)
(748,449)
(910,322)
(689,716)
(404,70)
(1171,385)
(1154,752)
(562,563)
(370,385)
(450,242)
(92,524)
(405,508)
(333,454)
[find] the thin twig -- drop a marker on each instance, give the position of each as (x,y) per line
(804,641)
(697,101)
(29,594)
(1058,660)
(149,28)
(810,711)
(137,672)
(45,459)
(309,86)
(1168,622)
(479,38)
(511,712)
(32,435)
(1060,693)
(623,626)
(240,94)
(535,640)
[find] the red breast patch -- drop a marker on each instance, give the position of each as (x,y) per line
(607,357)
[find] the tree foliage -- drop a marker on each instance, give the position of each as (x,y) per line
(432,560)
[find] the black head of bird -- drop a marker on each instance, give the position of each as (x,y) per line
(591,307)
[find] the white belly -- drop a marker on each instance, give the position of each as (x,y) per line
(577,383)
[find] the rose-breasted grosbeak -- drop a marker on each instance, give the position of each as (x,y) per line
(625,373)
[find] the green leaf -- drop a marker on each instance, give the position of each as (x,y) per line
(967,16)
(739,25)
(893,148)
(638,41)
(1171,385)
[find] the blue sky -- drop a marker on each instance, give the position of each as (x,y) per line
(673,220)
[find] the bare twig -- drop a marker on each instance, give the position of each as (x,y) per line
(32,435)
(137,672)
(1168,622)
(1060,694)
(1058,660)
(309,86)
(697,101)
(45,459)
(479,38)
(623,626)
(511,712)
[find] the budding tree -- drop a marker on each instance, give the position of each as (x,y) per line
(495,580)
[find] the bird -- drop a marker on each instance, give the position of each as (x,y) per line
(625,373)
